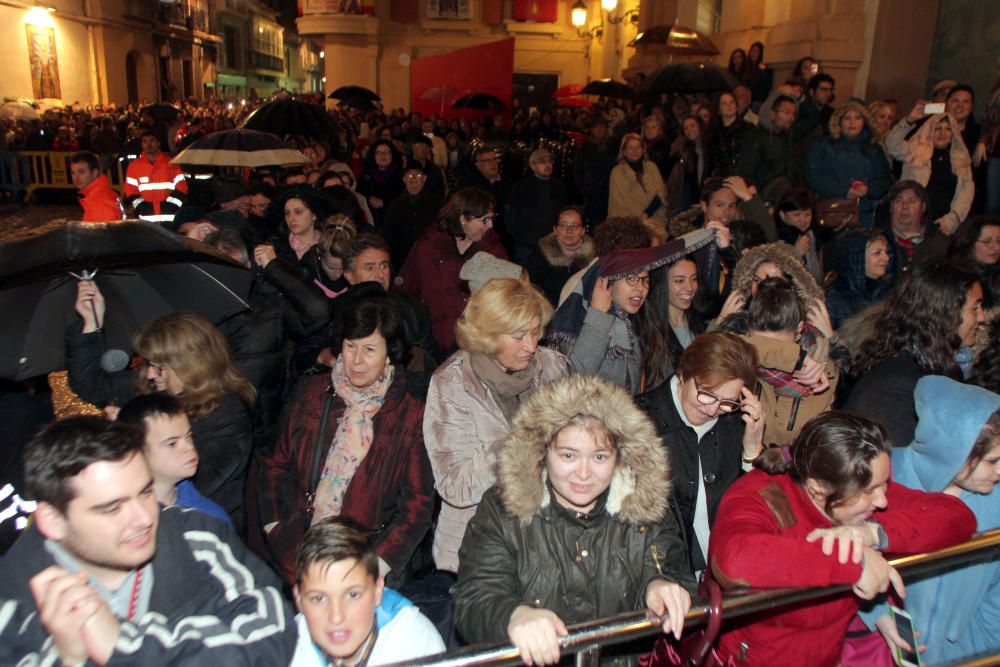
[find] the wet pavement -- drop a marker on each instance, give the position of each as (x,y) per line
(16,218)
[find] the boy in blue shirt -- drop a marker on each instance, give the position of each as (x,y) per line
(170,451)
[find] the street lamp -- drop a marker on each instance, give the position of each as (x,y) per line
(578,15)
(609,5)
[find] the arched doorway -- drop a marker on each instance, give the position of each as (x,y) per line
(132,76)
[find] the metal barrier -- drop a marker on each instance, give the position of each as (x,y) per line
(50,169)
(586,639)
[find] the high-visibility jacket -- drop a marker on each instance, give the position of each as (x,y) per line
(155,189)
(100,203)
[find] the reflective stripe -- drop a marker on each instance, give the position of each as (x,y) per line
(144,179)
(131,181)
(174,200)
(143,187)
(178,178)
(158,217)
(200,177)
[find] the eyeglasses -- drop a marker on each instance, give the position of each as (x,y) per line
(632,281)
(383,152)
(708,398)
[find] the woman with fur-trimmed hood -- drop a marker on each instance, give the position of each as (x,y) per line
(850,163)
(936,157)
(577,527)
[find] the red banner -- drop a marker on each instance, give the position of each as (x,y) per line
(437,81)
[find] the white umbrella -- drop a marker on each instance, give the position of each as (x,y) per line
(18,111)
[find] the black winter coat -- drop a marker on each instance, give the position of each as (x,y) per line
(721,452)
(885,394)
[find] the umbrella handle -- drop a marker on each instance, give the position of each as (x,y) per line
(89,275)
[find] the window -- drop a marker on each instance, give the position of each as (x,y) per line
(709,13)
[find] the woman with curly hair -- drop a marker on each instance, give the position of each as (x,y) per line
(976,242)
(935,311)
(849,164)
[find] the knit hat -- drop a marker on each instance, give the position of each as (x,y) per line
(187,214)
(227,187)
(483,267)
(941,86)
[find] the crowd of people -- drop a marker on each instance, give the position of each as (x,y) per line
(499,378)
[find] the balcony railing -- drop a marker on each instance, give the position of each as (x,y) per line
(187,17)
(260,60)
(586,639)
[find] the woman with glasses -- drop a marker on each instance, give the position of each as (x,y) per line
(711,424)
(464,226)
(185,356)
(560,254)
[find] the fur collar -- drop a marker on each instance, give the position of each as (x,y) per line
(640,488)
(556,257)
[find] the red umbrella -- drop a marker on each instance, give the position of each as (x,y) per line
(575,101)
(569,90)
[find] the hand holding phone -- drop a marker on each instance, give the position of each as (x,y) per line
(906,632)
(933,108)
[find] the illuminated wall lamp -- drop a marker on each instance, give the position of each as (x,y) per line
(578,14)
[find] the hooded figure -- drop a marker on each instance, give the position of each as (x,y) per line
(850,154)
(524,545)
(946,173)
(784,257)
(956,611)
(854,289)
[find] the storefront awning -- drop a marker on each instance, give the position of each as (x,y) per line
(232,80)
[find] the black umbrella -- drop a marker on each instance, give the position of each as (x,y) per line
(240,148)
(359,103)
(479,101)
(609,88)
(354,92)
(161,112)
(291,117)
(143,271)
(676,39)
(683,78)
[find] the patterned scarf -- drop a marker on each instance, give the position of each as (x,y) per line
(352,440)
(908,242)
(784,384)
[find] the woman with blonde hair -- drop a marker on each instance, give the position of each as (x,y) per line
(184,355)
(325,261)
(636,185)
(475,394)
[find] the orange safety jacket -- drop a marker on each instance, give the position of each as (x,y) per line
(155,189)
(100,202)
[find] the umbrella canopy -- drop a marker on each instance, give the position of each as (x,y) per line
(162,112)
(479,101)
(676,39)
(683,78)
(578,101)
(359,103)
(569,90)
(352,92)
(609,88)
(18,111)
(443,93)
(240,148)
(285,117)
(143,271)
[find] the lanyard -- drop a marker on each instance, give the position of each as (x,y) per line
(133,600)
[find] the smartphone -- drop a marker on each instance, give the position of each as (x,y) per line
(933,108)
(904,626)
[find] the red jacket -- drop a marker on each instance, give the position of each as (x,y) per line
(758,539)
(430,274)
(392,493)
(100,203)
(155,189)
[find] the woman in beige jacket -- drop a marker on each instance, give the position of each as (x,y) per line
(636,186)
(475,394)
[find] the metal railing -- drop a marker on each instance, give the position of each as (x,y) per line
(28,171)
(586,639)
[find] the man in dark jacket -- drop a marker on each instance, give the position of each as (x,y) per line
(767,153)
(911,238)
(104,574)
(533,205)
(592,171)
(409,214)
(486,175)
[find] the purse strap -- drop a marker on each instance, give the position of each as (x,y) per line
(316,470)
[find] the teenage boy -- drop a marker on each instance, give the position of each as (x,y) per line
(170,452)
(347,616)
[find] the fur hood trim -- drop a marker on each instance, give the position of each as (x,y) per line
(556,257)
(922,147)
(640,488)
(874,136)
(785,257)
